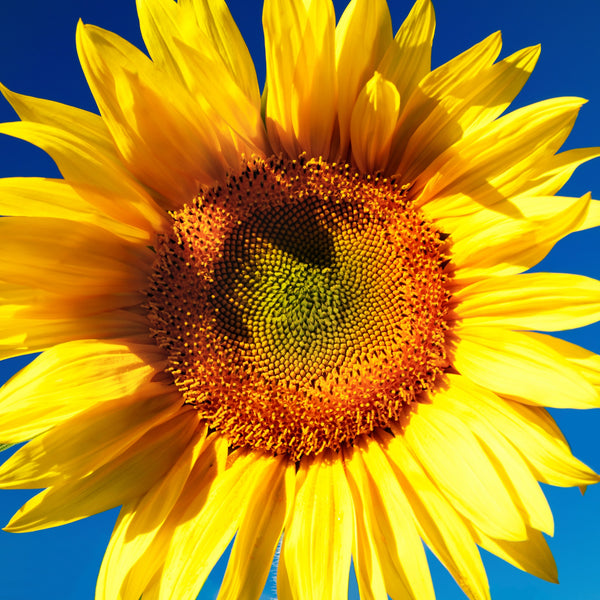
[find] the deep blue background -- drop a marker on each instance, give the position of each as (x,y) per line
(37,57)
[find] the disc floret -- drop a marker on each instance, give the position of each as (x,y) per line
(301,305)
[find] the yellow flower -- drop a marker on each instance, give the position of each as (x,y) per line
(299,316)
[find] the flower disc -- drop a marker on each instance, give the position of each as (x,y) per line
(301,305)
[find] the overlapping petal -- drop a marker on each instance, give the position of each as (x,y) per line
(119,480)
(318,535)
(301,86)
(539,375)
(165,139)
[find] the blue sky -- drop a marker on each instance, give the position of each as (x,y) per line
(37,57)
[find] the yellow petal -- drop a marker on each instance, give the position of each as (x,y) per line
(216,24)
(477,100)
(187,51)
(52,255)
(208,523)
(373,120)
(145,526)
(68,379)
(586,362)
(301,101)
(284,588)
(443,82)
(390,519)
(91,438)
(491,243)
(20,303)
(362,36)
(318,537)
(552,172)
(284,591)
(519,366)
(125,477)
(533,433)
(160,132)
(160,23)
(223,101)
(260,530)
(24,335)
(408,58)
(365,547)
(511,468)
(85,125)
(535,301)
(531,555)
(495,161)
(592,218)
(456,462)
(81,146)
(38,197)
(438,523)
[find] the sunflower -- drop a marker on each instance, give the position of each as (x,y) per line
(299,319)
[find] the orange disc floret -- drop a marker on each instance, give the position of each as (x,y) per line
(301,305)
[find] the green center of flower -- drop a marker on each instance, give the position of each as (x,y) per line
(301,305)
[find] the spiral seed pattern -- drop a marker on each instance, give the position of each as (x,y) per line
(301,305)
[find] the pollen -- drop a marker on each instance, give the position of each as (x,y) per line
(301,305)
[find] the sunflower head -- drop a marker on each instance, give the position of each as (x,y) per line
(301,304)
(299,318)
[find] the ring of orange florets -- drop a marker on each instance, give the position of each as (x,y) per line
(301,305)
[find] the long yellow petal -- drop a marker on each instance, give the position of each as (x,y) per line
(67,380)
(531,555)
(491,243)
(215,22)
(160,24)
(160,132)
(260,530)
(208,523)
(455,461)
(362,36)
(38,197)
(81,146)
(366,549)
(552,172)
(373,120)
(443,82)
(19,303)
(318,538)
(586,362)
(224,102)
(125,477)
(532,432)
(187,51)
(284,587)
(86,125)
(538,374)
(26,334)
(301,101)
(284,590)
(477,100)
(534,301)
(392,523)
(440,526)
(143,532)
(408,58)
(52,255)
(516,476)
(66,450)
(494,161)
(592,218)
